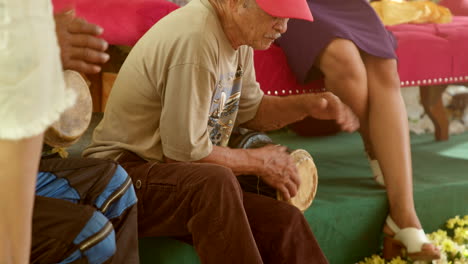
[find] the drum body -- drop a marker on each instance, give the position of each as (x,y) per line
(75,120)
(304,164)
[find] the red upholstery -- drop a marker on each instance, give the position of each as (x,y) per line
(457,34)
(432,53)
(274,75)
(124,21)
(457,7)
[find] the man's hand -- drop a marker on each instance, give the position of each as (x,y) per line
(278,170)
(328,106)
(81,48)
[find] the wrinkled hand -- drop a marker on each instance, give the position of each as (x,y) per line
(279,170)
(81,48)
(329,107)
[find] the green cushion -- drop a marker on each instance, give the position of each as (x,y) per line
(349,210)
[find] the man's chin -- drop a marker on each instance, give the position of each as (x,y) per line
(262,46)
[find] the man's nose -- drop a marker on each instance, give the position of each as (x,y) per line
(282,25)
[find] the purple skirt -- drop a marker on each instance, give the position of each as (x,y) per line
(354,20)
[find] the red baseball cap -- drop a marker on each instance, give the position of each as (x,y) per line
(287,8)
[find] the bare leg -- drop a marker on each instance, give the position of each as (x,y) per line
(19,162)
(371,87)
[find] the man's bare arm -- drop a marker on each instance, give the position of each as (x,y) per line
(276,112)
(272,163)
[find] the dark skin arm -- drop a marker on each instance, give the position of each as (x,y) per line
(273,163)
(276,112)
(81,47)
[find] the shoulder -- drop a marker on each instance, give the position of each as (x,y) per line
(187,35)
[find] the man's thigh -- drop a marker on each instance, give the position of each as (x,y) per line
(170,194)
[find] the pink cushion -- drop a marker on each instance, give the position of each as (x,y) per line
(457,7)
(457,34)
(422,57)
(124,21)
(432,53)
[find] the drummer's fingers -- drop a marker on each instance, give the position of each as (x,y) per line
(89,41)
(279,148)
(352,123)
(88,55)
(294,177)
(80,25)
(81,66)
(284,192)
(292,188)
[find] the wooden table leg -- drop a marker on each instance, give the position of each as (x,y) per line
(431,99)
(96,91)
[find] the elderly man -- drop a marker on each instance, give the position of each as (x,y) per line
(182,89)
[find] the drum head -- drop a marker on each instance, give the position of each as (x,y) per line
(309,180)
(75,120)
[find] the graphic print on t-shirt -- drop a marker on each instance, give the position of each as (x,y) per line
(224,106)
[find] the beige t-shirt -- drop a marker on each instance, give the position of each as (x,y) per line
(181,90)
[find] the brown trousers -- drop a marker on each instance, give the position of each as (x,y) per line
(226,225)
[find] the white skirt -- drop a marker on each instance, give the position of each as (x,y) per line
(32,89)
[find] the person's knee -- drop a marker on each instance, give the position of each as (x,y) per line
(383,72)
(96,241)
(118,195)
(288,220)
(291,216)
(341,62)
(220,178)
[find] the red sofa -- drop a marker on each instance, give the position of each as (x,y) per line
(430,55)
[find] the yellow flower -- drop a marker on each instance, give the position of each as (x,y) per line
(398,260)
(452,221)
(438,236)
(461,222)
(449,246)
(374,259)
(460,235)
(377,260)
(454,250)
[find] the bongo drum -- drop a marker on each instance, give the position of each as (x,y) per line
(75,120)
(304,163)
(309,178)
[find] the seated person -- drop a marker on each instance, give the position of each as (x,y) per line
(84,209)
(182,89)
(350,48)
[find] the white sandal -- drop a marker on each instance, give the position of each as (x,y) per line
(411,240)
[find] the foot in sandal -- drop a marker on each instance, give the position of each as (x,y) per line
(409,241)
